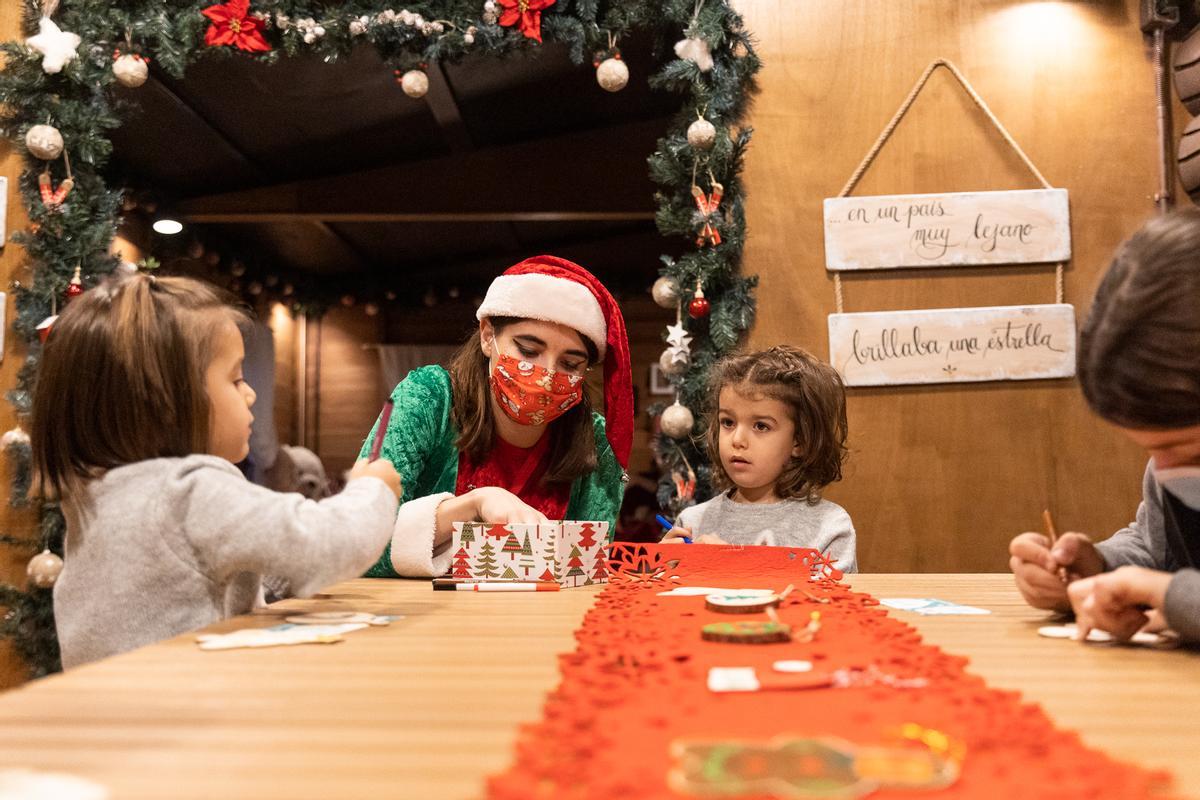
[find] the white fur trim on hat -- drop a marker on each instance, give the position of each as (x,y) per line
(550,299)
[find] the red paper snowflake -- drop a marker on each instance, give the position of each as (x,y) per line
(638,565)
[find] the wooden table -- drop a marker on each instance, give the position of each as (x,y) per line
(426,707)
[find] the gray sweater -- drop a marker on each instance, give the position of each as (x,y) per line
(165,546)
(789,523)
(1143,543)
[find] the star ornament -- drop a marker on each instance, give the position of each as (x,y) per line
(677,336)
(56,45)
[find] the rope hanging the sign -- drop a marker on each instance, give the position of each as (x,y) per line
(865,164)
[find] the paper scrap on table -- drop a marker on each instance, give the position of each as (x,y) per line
(26,784)
(340,618)
(930,606)
(1070,631)
(277,635)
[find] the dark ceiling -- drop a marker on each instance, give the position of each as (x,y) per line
(332,169)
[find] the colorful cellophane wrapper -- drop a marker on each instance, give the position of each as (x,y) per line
(635,688)
(569,553)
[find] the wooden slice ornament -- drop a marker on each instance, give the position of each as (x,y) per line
(747,632)
(745,601)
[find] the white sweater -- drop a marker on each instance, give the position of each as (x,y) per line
(169,545)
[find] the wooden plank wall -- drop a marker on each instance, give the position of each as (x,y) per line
(941,477)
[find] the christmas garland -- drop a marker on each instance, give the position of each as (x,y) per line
(58,105)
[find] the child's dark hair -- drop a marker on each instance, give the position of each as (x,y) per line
(815,396)
(1139,350)
(121,378)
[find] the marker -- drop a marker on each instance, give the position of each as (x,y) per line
(508,586)
(667,525)
(377,442)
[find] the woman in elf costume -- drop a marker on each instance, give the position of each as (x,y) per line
(507,434)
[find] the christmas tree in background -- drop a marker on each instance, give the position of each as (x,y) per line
(58,105)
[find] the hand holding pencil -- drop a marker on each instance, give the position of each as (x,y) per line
(374,466)
(1044,564)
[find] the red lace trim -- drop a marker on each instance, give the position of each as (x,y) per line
(636,686)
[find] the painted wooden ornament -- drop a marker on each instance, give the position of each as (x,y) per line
(53,198)
(43,569)
(612,74)
(44,142)
(748,632)
(742,601)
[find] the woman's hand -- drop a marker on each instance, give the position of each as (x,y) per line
(1118,601)
(493,504)
(1036,567)
(676,535)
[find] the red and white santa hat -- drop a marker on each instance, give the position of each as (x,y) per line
(553,289)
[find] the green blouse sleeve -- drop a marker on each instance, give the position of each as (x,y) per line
(420,416)
(597,497)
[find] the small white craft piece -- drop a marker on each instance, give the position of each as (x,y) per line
(277,636)
(1071,631)
(741,601)
(792,666)
(732,679)
(26,784)
(337,618)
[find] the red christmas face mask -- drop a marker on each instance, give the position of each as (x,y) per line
(533,395)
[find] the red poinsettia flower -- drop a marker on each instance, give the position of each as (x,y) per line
(526,15)
(233,25)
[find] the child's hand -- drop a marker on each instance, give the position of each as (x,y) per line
(382,469)
(493,504)
(1036,567)
(710,538)
(1117,601)
(676,535)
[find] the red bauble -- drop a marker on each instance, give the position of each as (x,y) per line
(699,308)
(75,287)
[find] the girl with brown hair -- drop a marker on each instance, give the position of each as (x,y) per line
(140,411)
(777,438)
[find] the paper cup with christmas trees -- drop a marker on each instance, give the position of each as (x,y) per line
(570,553)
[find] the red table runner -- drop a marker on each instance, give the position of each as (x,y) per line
(633,716)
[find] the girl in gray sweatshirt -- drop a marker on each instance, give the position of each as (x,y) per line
(139,413)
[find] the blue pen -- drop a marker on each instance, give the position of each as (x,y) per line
(667,524)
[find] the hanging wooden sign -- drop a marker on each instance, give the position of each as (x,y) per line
(953,345)
(941,230)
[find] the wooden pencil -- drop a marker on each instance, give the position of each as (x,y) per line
(1052,533)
